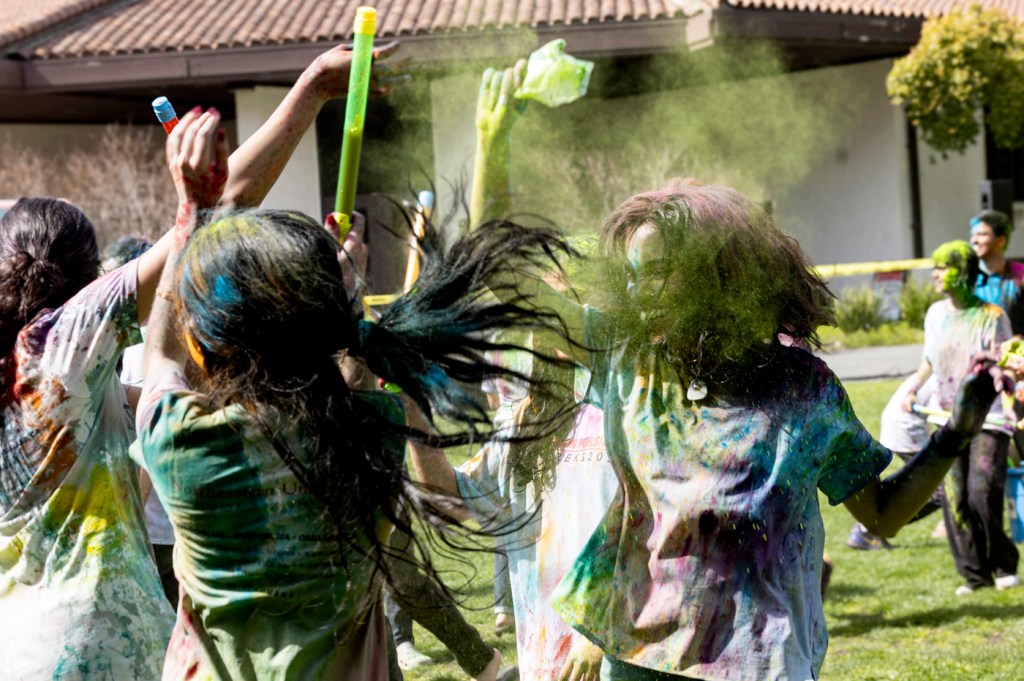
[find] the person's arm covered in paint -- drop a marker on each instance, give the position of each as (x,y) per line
(496,114)
(884,506)
(259,160)
(196,156)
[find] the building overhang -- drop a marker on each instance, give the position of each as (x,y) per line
(117,87)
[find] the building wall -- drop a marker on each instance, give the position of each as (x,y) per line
(854,203)
(298,188)
(453,101)
(949,193)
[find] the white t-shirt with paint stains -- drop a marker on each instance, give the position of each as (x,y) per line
(79,594)
(542,551)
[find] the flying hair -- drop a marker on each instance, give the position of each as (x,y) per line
(261,296)
(734,283)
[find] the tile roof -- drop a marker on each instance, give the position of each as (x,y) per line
(56,29)
(884,8)
(22,18)
(145,26)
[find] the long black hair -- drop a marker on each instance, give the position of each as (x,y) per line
(48,253)
(261,296)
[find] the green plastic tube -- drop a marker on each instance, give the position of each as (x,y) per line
(355,114)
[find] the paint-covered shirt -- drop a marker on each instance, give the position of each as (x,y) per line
(79,594)
(952,336)
(1005,289)
(709,563)
(541,551)
(266,591)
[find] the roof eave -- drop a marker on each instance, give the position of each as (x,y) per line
(287,61)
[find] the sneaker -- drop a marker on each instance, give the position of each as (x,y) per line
(964,590)
(940,531)
(410,658)
(862,540)
(1007,582)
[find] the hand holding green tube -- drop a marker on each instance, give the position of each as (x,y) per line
(355,114)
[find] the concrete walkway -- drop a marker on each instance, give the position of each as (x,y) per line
(865,364)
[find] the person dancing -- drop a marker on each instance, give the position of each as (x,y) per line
(282,482)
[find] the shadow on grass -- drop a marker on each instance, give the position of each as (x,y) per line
(855,625)
(843,591)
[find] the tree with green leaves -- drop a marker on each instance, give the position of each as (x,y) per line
(967,65)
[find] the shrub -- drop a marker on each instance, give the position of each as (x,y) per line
(967,62)
(118,178)
(915,299)
(859,309)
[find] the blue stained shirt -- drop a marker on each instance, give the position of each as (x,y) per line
(1005,289)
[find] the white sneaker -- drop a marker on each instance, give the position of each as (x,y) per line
(1007,582)
(964,590)
(410,658)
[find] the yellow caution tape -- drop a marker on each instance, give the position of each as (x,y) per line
(851,268)
(824,271)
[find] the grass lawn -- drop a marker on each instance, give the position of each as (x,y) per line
(891,614)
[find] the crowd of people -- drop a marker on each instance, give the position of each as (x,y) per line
(652,472)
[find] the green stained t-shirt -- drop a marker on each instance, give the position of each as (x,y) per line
(265,590)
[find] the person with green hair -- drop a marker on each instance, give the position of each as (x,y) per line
(955,329)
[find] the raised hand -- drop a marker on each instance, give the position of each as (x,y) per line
(329,72)
(353,254)
(494,114)
(984,381)
(197,156)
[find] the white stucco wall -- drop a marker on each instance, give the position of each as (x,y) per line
(949,193)
(298,188)
(453,102)
(854,203)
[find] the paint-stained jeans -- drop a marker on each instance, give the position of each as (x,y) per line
(973,512)
(419,598)
(613,670)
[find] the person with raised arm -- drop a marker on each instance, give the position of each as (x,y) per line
(708,564)
(282,481)
(76,572)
